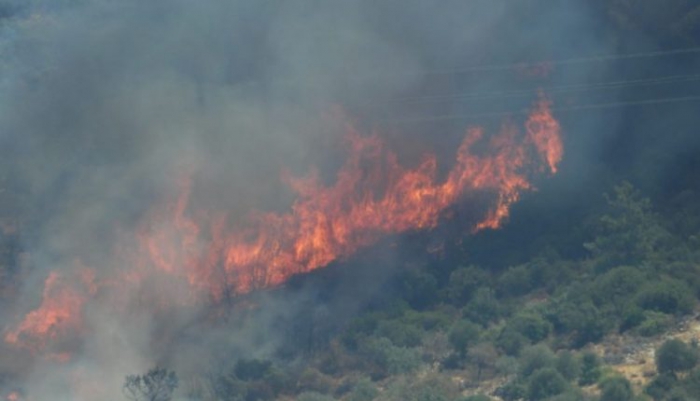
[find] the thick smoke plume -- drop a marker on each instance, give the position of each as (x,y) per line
(109,108)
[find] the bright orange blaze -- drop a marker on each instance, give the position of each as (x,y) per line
(544,131)
(60,313)
(373,196)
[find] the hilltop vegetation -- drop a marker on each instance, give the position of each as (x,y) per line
(470,332)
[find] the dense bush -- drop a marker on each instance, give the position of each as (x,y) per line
(675,356)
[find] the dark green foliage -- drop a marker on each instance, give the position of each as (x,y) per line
(311,380)
(571,394)
(660,386)
(364,390)
(568,365)
(158,384)
(545,383)
(618,286)
(531,325)
(616,389)
(400,333)
(314,396)
(512,391)
(691,383)
(654,323)
(426,388)
(630,232)
(390,358)
(590,369)
(462,335)
(535,358)
(419,289)
(515,282)
(675,356)
(667,296)
(428,320)
(511,342)
(463,283)
(484,307)
(482,356)
(582,319)
(477,397)
(679,394)
(631,317)
(359,328)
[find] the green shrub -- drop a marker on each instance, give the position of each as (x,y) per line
(545,383)
(535,358)
(654,323)
(484,307)
(463,283)
(510,341)
(462,335)
(400,333)
(667,296)
(568,365)
(314,396)
(531,325)
(364,390)
(675,356)
(616,389)
(515,282)
(590,369)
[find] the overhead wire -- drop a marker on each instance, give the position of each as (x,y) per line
(569,61)
(500,114)
(552,89)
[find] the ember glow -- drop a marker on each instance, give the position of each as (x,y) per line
(373,196)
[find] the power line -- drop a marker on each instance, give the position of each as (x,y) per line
(501,114)
(570,61)
(551,89)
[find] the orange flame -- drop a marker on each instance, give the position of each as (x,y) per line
(373,196)
(60,313)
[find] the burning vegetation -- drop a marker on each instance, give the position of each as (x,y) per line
(373,196)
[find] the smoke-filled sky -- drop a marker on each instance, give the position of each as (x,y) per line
(106,105)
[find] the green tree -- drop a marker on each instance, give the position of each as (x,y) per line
(462,335)
(510,341)
(419,288)
(364,390)
(660,386)
(667,296)
(629,232)
(484,307)
(616,389)
(617,287)
(158,384)
(531,325)
(482,356)
(590,369)
(314,396)
(568,365)
(545,383)
(400,333)
(535,358)
(476,397)
(515,282)
(463,283)
(675,356)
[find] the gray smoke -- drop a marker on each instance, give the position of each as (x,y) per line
(105,103)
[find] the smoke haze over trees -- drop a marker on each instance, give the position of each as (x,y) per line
(109,107)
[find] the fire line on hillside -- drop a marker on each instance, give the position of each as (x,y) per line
(372,197)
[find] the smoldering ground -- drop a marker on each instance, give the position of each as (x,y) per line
(106,104)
